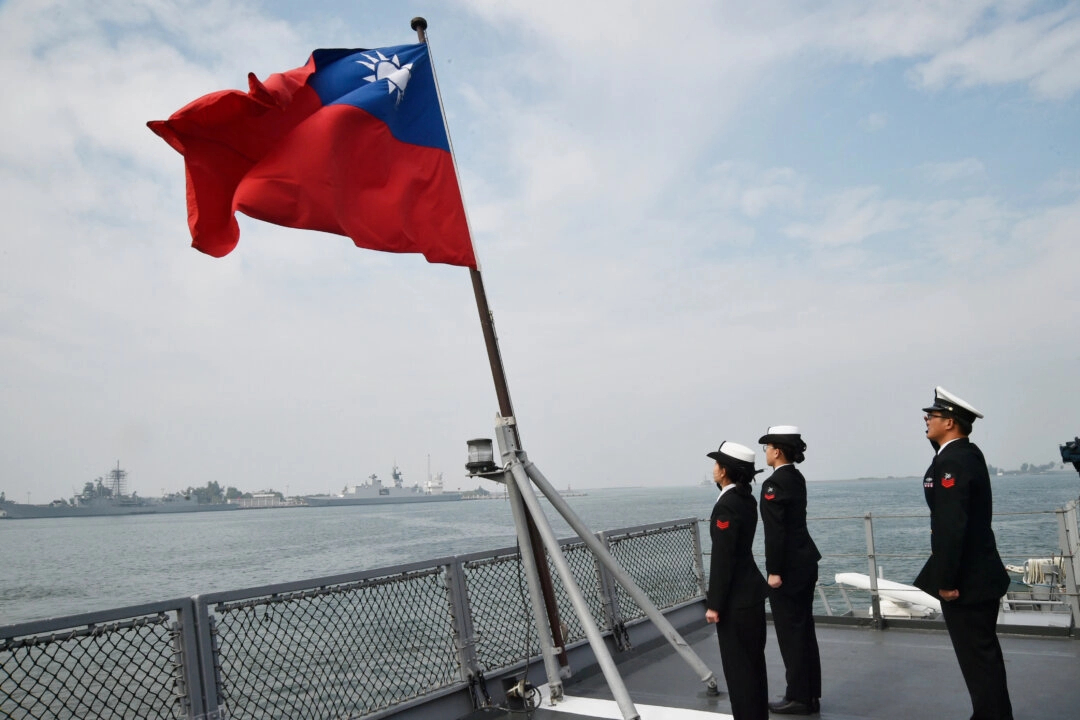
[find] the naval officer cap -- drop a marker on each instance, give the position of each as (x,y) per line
(783,435)
(946,402)
(735,456)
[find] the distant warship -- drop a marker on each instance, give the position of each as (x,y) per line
(108,496)
(375,493)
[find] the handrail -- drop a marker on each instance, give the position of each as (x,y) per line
(189,658)
(1068,552)
(325,642)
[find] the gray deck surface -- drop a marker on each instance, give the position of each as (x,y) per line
(893,674)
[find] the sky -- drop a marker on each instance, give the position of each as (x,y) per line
(695,220)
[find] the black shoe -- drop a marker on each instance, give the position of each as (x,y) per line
(792,707)
(815,705)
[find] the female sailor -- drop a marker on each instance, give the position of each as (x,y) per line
(737,589)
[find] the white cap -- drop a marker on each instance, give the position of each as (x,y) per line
(786,434)
(736,451)
(947,402)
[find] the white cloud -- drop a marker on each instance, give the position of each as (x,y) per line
(941,173)
(780,188)
(1042,51)
(852,216)
(875,32)
(730,187)
(641,262)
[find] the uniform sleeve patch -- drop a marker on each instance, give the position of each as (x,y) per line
(723,524)
(948,481)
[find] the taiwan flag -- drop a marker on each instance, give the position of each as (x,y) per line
(352,143)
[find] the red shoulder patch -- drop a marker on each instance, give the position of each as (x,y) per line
(948,482)
(723,524)
(770,496)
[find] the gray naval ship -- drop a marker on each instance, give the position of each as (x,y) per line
(374,492)
(108,496)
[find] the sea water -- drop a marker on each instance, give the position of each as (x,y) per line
(64,566)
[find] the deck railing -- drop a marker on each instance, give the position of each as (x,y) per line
(874,544)
(369,643)
(354,645)
(132,662)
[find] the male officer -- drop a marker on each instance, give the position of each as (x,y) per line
(964,568)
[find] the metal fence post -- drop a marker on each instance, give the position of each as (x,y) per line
(463,625)
(610,600)
(871,557)
(699,562)
(189,655)
(207,659)
(824,600)
(1069,535)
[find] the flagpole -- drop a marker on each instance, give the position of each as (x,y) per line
(502,393)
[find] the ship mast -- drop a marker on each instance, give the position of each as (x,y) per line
(118,481)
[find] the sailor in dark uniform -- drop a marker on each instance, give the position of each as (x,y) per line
(737,590)
(964,568)
(791,561)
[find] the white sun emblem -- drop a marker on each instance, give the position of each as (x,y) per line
(389,69)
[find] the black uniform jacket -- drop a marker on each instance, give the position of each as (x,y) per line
(734,578)
(790,552)
(964,554)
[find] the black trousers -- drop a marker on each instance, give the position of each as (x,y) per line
(973,631)
(793,618)
(741,632)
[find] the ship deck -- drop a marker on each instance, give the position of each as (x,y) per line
(892,674)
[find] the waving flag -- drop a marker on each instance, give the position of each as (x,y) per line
(352,143)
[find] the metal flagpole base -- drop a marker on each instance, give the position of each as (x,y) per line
(604,556)
(528,561)
(482,464)
(581,607)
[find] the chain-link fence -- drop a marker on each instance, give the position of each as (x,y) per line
(663,559)
(347,646)
(502,636)
(131,667)
(669,580)
(354,645)
(336,651)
